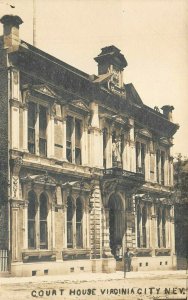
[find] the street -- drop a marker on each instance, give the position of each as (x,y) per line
(136,285)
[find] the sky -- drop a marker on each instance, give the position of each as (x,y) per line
(152,35)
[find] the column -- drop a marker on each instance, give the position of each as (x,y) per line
(95,155)
(106,234)
(95,222)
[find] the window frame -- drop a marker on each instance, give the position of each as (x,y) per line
(39,137)
(71,146)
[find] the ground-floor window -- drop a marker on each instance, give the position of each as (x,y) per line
(161,227)
(74,223)
(37,221)
(141,226)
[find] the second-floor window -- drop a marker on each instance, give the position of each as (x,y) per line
(73,140)
(42,131)
(31,127)
(140,157)
(37,127)
(160,162)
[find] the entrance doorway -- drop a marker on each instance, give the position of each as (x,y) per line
(116,225)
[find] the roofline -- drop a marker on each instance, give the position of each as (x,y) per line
(54,60)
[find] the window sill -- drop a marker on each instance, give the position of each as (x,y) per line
(162,252)
(143,252)
(75,253)
(38,255)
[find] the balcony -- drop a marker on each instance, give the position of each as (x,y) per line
(117,172)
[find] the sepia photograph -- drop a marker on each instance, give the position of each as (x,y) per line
(94,149)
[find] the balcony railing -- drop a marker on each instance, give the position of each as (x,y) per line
(119,172)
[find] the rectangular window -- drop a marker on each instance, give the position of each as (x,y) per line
(31,127)
(160,163)
(42,130)
(69,130)
(73,140)
(140,157)
(78,134)
(162,166)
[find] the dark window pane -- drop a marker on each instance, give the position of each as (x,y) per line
(43,147)
(69,235)
(79,215)
(31,127)
(31,220)
(70,213)
(78,156)
(138,226)
(164,228)
(69,129)
(77,133)
(43,222)
(42,131)
(42,121)
(158,228)
(144,220)
(79,211)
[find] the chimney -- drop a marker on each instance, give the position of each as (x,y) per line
(11,25)
(167,112)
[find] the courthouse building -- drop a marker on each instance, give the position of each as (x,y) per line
(86,166)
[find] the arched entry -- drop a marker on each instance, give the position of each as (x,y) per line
(116,223)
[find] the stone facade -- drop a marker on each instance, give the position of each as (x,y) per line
(88,166)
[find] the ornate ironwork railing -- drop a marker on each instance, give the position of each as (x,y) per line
(115,172)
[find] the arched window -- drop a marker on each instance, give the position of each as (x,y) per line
(159,227)
(144,221)
(43,222)
(70,213)
(138,226)
(164,227)
(31,220)
(79,216)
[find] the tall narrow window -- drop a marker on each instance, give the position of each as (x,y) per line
(104,146)
(79,215)
(164,227)
(31,220)
(43,222)
(162,166)
(158,165)
(31,127)
(78,134)
(69,130)
(138,226)
(144,221)
(42,130)
(73,140)
(70,213)
(140,157)
(159,227)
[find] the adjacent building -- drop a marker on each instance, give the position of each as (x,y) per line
(181,212)
(86,166)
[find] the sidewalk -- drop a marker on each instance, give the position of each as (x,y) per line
(87,277)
